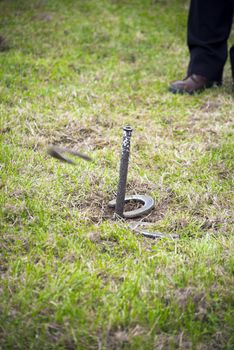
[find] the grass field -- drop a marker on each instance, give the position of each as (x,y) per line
(72,73)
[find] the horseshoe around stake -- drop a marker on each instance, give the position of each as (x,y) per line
(148,205)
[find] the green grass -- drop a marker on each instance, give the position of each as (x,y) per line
(71,277)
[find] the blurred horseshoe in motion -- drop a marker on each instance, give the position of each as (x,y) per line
(58,153)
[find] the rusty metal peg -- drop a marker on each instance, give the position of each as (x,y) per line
(123,171)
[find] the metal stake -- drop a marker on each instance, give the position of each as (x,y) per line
(123,171)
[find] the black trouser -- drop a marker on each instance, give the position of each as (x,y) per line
(209,26)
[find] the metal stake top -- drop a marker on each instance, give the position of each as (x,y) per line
(128,128)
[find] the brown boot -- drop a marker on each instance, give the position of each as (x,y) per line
(191,84)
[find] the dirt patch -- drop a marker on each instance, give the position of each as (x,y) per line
(73,133)
(132,205)
(4,264)
(4,45)
(185,296)
(44,16)
(8,243)
(116,340)
(139,186)
(210,106)
(78,137)
(99,211)
(89,134)
(160,209)
(54,331)
(93,208)
(167,342)
(14,213)
(94,236)
(70,344)
(211,224)
(5,130)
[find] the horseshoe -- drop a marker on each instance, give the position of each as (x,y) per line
(141,228)
(148,205)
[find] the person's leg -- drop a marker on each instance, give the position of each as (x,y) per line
(232,61)
(209,26)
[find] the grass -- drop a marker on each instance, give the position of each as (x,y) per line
(73,73)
